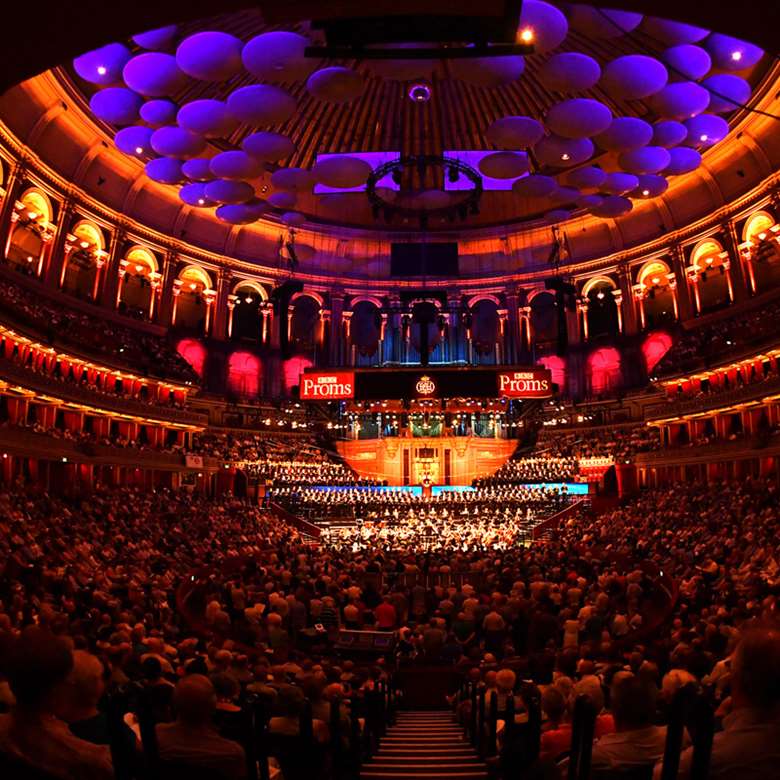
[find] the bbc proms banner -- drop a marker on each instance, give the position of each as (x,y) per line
(528,383)
(433,382)
(327,385)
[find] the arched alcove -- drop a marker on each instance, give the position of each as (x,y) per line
(657,295)
(304,323)
(707,257)
(247,319)
(365,331)
(602,309)
(191,309)
(80,268)
(140,276)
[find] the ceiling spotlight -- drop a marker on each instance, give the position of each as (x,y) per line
(655,280)
(600,295)
(736,55)
(527,35)
(248,299)
(139,268)
(193,285)
(645,192)
(101,69)
(420,92)
(201,202)
(565,157)
(139,150)
(704,137)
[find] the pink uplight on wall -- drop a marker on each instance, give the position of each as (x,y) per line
(654,347)
(293,368)
(194,353)
(244,374)
(603,370)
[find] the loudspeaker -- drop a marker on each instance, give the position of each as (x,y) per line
(280,298)
(285,291)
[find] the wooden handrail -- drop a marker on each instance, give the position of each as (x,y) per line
(554,520)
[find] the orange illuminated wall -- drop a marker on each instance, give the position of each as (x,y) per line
(469,457)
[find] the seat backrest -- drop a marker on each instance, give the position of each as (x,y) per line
(624,773)
(14,768)
(181,770)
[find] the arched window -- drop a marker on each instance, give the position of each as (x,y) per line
(708,257)
(764,262)
(191,289)
(244,375)
(194,353)
(485,330)
(80,273)
(139,281)
(658,304)
(602,311)
(544,319)
(31,232)
(365,331)
(603,371)
(247,321)
(304,323)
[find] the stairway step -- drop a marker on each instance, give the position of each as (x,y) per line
(471,775)
(439,732)
(460,748)
(426,768)
(383,758)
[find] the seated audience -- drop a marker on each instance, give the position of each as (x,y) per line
(192,741)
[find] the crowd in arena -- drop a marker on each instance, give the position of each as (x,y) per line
(127,345)
(533,469)
(293,461)
(712,343)
(610,441)
(570,614)
(399,505)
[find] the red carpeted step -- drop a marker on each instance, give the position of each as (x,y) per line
(424,746)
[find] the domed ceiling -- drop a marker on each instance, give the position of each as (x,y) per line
(591,111)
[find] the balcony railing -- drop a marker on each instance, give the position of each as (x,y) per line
(65,391)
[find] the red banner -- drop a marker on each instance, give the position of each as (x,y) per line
(530,383)
(327,385)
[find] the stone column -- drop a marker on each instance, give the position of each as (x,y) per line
(455,329)
(618,296)
(513,338)
(739,284)
(111,280)
(504,337)
(347,350)
(55,266)
(627,297)
(683,291)
(13,189)
(165,305)
(219,311)
(336,325)
(582,315)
